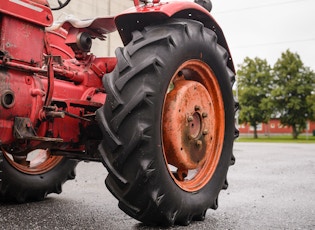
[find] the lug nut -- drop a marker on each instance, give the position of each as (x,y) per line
(204,115)
(190,118)
(205,132)
(198,143)
(197,107)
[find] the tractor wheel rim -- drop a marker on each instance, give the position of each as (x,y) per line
(193,125)
(36,162)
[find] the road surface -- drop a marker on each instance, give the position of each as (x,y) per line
(271,186)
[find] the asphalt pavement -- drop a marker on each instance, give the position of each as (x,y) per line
(271,186)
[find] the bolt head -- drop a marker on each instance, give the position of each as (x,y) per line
(205,132)
(197,108)
(198,143)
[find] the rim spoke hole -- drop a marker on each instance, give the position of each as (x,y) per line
(181,174)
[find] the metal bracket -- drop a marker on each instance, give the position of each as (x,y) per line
(23,130)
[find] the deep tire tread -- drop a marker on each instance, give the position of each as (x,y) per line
(130,170)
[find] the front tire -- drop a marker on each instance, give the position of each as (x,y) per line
(168,123)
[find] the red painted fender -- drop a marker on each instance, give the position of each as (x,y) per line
(139,17)
(36,13)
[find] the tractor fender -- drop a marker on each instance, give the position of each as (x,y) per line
(139,17)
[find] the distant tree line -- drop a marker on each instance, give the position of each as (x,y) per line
(285,91)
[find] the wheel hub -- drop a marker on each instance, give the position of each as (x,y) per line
(186,124)
(35,162)
(193,125)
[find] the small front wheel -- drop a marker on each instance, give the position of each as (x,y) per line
(168,123)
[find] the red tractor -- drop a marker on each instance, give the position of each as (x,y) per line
(159,115)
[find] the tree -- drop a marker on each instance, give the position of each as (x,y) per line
(294,84)
(254,86)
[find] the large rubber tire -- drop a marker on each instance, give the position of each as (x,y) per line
(136,148)
(21,184)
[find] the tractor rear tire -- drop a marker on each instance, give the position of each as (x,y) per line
(19,183)
(168,123)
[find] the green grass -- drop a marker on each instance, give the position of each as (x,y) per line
(278,139)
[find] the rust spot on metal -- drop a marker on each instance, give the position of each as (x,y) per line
(193,125)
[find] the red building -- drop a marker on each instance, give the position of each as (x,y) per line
(274,127)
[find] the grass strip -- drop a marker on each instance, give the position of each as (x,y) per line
(278,139)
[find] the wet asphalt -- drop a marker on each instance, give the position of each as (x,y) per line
(271,186)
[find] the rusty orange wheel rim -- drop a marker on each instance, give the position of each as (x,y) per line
(37,161)
(193,125)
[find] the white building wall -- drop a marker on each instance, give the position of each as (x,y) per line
(86,9)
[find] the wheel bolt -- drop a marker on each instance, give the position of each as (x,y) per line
(197,107)
(205,132)
(198,143)
(204,115)
(190,118)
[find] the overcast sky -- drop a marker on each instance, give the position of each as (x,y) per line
(265,29)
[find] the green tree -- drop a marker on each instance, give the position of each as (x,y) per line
(294,84)
(254,86)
